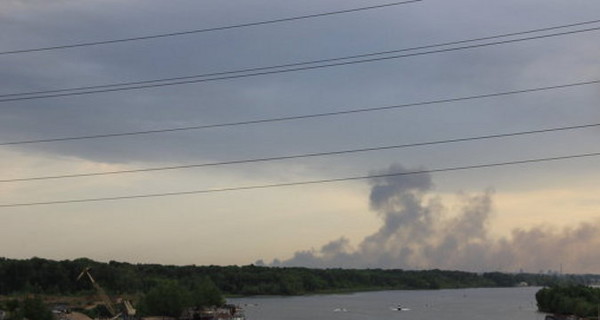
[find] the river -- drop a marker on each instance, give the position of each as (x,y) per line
(453,304)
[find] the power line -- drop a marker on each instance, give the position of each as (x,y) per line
(299,183)
(305,155)
(303,62)
(284,68)
(301,117)
(181,33)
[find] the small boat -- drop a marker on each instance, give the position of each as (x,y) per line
(340,310)
(400,308)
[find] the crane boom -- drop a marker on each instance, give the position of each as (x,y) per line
(105,298)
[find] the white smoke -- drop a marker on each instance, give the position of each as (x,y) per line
(419,232)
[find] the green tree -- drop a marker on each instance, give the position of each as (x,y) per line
(205,293)
(166,299)
(35,309)
(578,300)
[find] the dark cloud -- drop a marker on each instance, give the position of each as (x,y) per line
(391,82)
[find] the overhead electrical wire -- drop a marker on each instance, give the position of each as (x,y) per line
(301,117)
(299,66)
(300,183)
(291,67)
(303,62)
(222,28)
(305,155)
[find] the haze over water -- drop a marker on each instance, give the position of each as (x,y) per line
(454,304)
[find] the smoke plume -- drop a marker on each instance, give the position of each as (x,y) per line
(419,232)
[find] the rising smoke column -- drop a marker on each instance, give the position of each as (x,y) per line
(419,232)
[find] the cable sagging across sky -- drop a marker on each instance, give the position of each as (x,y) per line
(294,67)
(302,117)
(300,183)
(212,29)
(306,155)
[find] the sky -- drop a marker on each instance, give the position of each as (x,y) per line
(364,209)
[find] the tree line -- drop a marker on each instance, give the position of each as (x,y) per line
(42,276)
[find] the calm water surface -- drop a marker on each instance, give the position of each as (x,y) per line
(455,304)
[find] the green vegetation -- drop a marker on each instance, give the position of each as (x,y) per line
(168,290)
(156,292)
(204,285)
(578,300)
(170,298)
(32,308)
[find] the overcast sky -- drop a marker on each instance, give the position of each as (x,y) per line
(533,216)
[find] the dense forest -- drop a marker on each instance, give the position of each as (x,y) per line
(41,276)
(578,300)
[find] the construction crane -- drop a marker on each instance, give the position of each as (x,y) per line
(105,298)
